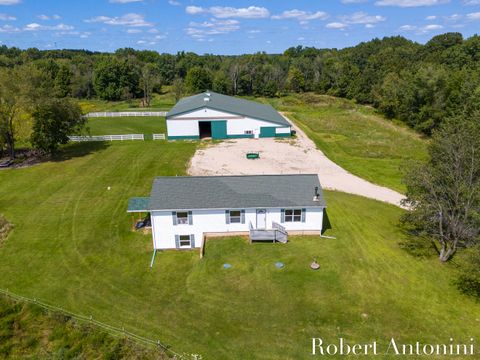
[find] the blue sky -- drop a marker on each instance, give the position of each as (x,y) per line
(227,27)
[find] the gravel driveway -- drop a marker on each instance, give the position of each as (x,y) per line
(284,156)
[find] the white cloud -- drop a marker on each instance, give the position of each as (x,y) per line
(301,15)
(46,17)
(453,17)
(38,27)
(420,30)
(124,1)
(369,26)
(471,2)
(206,29)
(430,17)
(410,3)
(174,2)
(336,25)
(353,1)
(133,31)
(9,29)
(361,18)
(5,17)
(10,2)
(223,12)
(132,19)
(473,16)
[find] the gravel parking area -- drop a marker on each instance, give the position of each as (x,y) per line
(284,156)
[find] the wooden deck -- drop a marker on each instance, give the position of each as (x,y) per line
(276,234)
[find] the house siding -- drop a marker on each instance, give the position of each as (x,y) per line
(210,221)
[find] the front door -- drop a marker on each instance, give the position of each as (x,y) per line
(261,218)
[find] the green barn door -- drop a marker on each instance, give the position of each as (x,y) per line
(267,131)
(219,129)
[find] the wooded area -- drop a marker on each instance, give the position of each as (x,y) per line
(418,84)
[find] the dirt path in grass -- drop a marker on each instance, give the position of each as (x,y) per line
(284,156)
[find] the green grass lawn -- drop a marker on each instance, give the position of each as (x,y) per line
(72,246)
(355,137)
(127,125)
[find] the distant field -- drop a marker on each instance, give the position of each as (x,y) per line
(127,125)
(163,102)
(355,137)
(72,246)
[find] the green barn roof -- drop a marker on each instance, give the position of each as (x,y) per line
(235,192)
(228,104)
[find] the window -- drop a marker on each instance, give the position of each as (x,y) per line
(248,132)
(235,217)
(184,241)
(293,215)
(182,218)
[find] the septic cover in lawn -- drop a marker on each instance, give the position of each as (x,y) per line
(227,266)
(279,265)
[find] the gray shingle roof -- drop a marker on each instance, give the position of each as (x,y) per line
(234,192)
(228,104)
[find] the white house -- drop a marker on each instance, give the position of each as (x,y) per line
(185,209)
(219,116)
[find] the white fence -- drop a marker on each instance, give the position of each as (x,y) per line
(158,136)
(125,114)
(107,137)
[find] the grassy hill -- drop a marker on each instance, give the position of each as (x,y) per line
(355,136)
(72,246)
(28,332)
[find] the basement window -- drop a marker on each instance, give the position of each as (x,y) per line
(185,241)
(293,215)
(182,218)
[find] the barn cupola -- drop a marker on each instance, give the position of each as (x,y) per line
(207,96)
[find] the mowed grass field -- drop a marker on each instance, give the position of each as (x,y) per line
(127,125)
(355,136)
(72,246)
(159,102)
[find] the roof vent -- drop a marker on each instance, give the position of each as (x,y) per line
(316,197)
(208,93)
(206,99)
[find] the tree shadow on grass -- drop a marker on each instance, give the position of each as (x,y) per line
(79,149)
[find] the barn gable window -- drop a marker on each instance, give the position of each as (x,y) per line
(294,215)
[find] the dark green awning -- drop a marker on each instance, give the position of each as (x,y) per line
(138,204)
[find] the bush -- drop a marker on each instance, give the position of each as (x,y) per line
(468,280)
(5,228)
